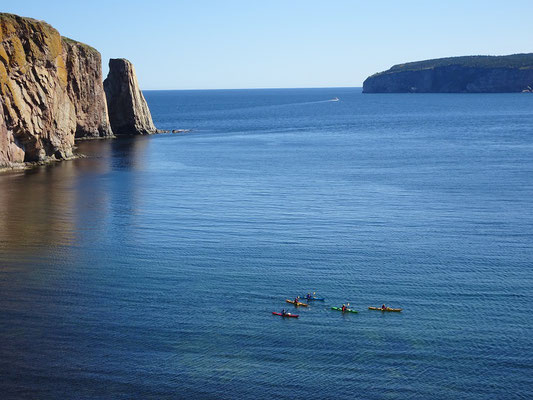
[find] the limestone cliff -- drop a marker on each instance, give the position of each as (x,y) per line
(86,90)
(128,111)
(8,151)
(50,89)
(38,114)
(470,74)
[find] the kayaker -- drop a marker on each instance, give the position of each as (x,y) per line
(343,307)
(283,312)
(296,300)
(308,297)
(383,307)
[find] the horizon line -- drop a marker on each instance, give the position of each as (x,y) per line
(258,88)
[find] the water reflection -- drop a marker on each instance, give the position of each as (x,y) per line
(128,153)
(128,164)
(69,202)
(36,208)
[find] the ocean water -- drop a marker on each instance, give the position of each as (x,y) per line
(150,268)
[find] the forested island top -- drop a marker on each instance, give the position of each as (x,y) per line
(466,74)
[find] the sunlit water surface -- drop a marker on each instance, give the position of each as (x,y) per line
(150,269)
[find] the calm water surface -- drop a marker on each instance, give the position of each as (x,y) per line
(151,268)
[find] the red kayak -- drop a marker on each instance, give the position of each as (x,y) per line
(288,315)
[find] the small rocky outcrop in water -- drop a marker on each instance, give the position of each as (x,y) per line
(50,90)
(128,112)
(469,74)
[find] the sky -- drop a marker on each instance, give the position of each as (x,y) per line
(234,44)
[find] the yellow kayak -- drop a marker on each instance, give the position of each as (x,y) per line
(385,309)
(297,304)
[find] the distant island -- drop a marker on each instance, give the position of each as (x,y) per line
(467,74)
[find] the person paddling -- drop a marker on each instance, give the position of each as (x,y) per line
(343,307)
(308,297)
(296,300)
(283,312)
(383,307)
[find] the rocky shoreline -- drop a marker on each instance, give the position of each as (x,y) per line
(13,167)
(52,93)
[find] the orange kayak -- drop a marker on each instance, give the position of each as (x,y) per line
(297,304)
(385,309)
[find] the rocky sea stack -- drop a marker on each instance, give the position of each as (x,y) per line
(51,92)
(469,74)
(128,111)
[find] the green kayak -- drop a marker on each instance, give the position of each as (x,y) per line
(340,309)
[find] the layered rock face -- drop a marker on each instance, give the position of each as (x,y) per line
(8,150)
(38,114)
(472,74)
(85,89)
(50,89)
(128,112)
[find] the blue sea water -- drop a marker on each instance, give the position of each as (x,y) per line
(150,268)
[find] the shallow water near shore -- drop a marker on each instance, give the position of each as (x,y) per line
(150,268)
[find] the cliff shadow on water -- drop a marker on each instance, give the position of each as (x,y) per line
(77,193)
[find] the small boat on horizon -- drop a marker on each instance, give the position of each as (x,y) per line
(335,99)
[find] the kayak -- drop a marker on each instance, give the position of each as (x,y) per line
(386,309)
(297,304)
(288,315)
(313,298)
(340,309)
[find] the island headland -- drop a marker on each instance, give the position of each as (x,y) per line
(52,92)
(468,74)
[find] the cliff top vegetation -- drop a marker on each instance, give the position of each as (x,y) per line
(521,61)
(75,42)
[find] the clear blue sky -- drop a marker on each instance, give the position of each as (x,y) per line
(211,44)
